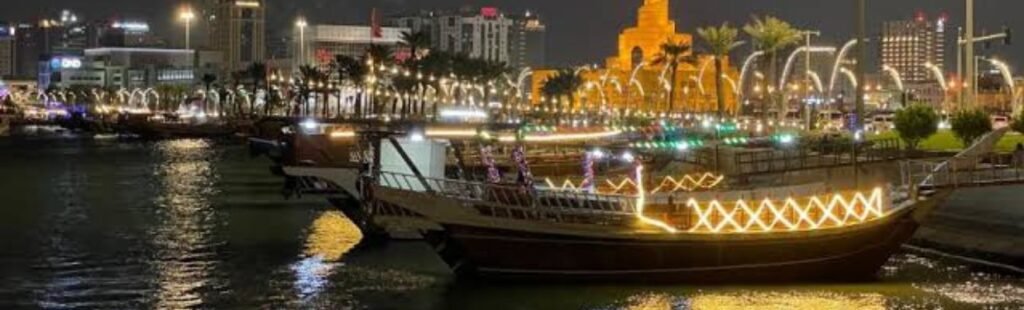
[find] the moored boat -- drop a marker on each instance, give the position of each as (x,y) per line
(799,233)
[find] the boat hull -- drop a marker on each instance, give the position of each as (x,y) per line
(509,249)
(512,255)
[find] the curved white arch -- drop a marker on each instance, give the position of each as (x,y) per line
(850,76)
(792,58)
(746,66)
(937,72)
(817,81)
(839,61)
(700,86)
(895,75)
(522,78)
(1004,69)
(639,87)
(732,83)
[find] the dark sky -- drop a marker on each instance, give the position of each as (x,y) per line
(579,31)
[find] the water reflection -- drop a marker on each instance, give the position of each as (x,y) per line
(330,237)
(184,242)
(758,300)
(189,224)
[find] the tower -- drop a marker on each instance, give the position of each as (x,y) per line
(237,29)
(642,43)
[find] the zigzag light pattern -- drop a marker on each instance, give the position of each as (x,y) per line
(669,184)
(689,183)
(769,216)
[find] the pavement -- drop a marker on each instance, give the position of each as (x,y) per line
(982,223)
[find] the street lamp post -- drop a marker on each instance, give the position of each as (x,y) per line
(969,51)
(861,58)
(301,24)
(187,16)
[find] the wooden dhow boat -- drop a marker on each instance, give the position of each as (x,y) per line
(799,233)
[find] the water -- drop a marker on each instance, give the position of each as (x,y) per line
(102,223)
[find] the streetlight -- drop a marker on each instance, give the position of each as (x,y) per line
(187,16)
(301,24)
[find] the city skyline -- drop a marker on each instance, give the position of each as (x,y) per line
(568,19)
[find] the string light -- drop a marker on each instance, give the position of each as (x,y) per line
(816,213)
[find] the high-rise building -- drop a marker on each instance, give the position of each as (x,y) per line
(7,55)
(126,34)
(484,33)
(908,46)
(527,47)
(237,28)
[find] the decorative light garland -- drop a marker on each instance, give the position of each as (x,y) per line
(689,183)
(816,213)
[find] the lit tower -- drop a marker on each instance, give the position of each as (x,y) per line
(237,29)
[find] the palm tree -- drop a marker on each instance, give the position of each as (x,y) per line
(772,35)
(257,72)
(381,54)
(353,71)
(416,42)
(310,77)
(565,83)
(720,41)
(673,54)
(208,79)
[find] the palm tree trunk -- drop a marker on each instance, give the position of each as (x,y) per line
(775,99)
(672,87)
(718,87)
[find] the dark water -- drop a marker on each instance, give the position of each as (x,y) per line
(107,224)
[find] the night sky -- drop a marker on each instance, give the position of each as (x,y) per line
(579,31)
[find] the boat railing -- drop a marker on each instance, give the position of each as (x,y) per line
(965,171)
(512,197)
(976,165)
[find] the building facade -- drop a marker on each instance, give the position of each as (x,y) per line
(909,46)
(318,44)
(484,33)
(7,56)
(632,79)
(118,67)
(237,28)
(528,46)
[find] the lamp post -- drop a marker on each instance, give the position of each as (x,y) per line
(301,24)
(861,59)
(972,91)
(187,16)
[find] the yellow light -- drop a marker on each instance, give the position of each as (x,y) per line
(343,134)
(248,4)
(450,133)
(568,137)
(689,183)
(816,213)
(641,201)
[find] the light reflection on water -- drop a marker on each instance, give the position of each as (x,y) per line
(185,248)
(193,224)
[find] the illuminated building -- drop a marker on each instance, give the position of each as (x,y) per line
(484,33)
(127,34)
(7,45)
(323,42)
(119,67)
(527,47)
(237,30)
(907,45)
(633,78)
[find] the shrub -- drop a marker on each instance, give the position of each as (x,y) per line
(916,123)
(1018,123)
(969,125)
